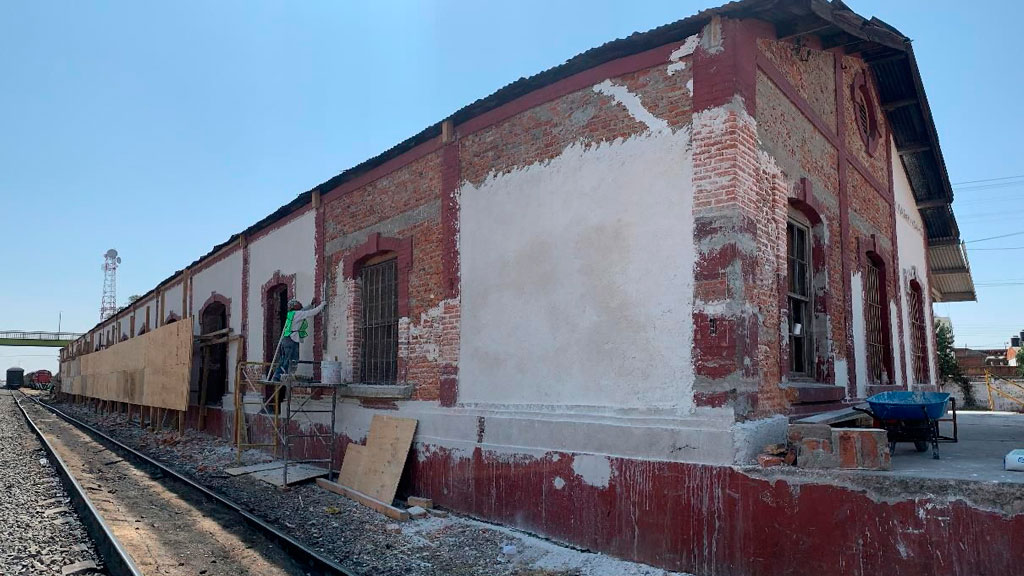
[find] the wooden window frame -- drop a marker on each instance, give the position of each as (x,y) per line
(797,301)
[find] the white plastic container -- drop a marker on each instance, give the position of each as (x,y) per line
(330,372)
(1014,460)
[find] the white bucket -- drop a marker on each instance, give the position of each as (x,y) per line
(330,372)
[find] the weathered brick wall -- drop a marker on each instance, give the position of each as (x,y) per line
(806,122)
(403,203)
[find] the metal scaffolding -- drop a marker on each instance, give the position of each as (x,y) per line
(288,406)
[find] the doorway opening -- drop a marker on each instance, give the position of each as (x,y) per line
(214,359)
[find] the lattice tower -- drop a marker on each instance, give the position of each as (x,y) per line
(108,306)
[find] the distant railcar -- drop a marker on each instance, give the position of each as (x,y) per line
(15,377)
(41,378)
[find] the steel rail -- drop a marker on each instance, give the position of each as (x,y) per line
(315,562)
(118,562)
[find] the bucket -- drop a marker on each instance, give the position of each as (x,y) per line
(330,372)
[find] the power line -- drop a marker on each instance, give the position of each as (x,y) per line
(987,180)
(1011,248)
(994,237)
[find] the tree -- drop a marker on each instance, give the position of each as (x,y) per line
(949,368)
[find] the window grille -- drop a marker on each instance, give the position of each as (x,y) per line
(917,335)
(379,291)
(801,358)
(874,318)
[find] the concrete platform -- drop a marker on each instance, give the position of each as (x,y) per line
(985,438)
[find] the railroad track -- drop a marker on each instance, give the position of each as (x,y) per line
(149,520)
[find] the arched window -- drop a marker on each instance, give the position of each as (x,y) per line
(799,295)
(918,334)
(380,268)
(378,294)
(806,305)
(876,321)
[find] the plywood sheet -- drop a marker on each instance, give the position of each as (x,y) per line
(152,369)
(381,461)
(352,465)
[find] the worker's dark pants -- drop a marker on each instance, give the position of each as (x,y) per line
(289,355)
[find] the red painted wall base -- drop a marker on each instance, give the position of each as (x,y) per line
(716,519)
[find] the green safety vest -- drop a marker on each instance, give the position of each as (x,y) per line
(288,326)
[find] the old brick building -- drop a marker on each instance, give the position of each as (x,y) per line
(603,287)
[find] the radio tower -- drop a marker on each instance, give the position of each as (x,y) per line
(109,304)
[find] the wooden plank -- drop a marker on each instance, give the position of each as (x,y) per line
(296,473)
(387,448)
(352,465)
(369,502)
(835,416)
(253,468)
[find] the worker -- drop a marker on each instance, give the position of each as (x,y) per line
(296,328)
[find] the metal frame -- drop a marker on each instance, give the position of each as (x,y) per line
(992,388)
(379,330)
(287,417)
(918,348)
(251,375)
(874,318)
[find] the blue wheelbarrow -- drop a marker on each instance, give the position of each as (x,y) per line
(911,417)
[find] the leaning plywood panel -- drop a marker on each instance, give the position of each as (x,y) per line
(352,465)
(383,459)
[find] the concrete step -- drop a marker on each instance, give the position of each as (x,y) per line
(809,393)
(811,408)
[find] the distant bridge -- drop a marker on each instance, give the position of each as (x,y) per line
(50,339)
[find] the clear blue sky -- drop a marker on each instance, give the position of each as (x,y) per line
(161,129)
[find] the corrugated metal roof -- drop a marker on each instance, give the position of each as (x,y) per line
(951,279)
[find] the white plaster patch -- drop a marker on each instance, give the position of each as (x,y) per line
(559,483)
(675,67)
(896,359)
(911,246)
(631,102)
(685,49)
(570,236)
(678,54)
(594,470)
(290,249)
(689,86)
(842,374)
(750,437)
(172,301)
(224,279)
(860,350)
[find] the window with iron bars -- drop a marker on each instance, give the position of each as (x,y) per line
(379,295)
(874,317)
(918,338)
(801,347)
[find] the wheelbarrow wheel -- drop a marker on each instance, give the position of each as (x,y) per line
(920,445)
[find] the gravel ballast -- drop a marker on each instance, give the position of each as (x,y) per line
(360,539)
(39,530)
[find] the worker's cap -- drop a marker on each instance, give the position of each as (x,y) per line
(293,303)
